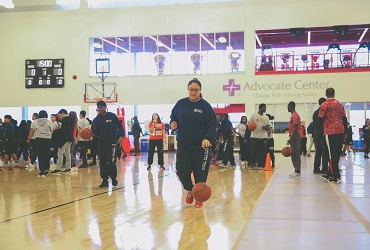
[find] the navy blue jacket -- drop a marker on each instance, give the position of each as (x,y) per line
(195,121)
(108,127)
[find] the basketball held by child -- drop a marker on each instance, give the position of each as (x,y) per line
(86,133)
(286,151)
(252,126)
(201,191)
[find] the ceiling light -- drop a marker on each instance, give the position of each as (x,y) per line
(98,45)
(363,34)
(309,38)
(258,40)
(7,4)
(222,39)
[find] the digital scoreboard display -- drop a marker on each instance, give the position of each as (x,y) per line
(45,73)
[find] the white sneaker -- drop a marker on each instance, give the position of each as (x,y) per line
(30,165)
(53,167)
(295,175)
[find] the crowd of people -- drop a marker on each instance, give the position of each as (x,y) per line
(253,144)
(52,143)
(202,136)
(48,142)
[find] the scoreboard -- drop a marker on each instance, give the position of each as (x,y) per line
(45,73)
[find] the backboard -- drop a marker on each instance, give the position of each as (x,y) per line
(103,91)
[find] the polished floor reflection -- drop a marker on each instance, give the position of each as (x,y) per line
(310,213)
(145,211)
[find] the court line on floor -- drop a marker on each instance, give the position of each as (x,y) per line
(71,202)
(356,213)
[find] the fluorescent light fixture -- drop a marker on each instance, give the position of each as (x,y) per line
(159,43)
(205,38)
(107,41)
(309,38)
(7,4)
(363,34)
(258,40)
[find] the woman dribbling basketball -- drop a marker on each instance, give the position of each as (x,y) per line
(195,122)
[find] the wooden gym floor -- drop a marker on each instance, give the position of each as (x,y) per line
(147,209)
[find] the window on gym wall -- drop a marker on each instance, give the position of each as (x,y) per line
(344,48)
(200,53)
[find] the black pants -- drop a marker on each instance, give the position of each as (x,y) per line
(243,149)
(43,152)
(321,155)
(136,144)
(228,153)
(94,148)
(192,159)
(335,144)
(303,148)
(54,153)
(83,145)
(152,145)
(258,152)
(23,150)
(270,149)
(33,151)
(108,166)
(367,145)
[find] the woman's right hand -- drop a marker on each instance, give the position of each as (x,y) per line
(173,125)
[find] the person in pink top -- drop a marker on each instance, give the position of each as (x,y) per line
(334,119)
(157,133)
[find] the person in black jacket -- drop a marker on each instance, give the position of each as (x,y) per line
(366,135)
(321,148)
(108,128)
(23,149)
(136,131)
(9,141)
(64,141)
(227,132)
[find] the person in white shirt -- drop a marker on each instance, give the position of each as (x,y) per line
(259,138)
(82,143)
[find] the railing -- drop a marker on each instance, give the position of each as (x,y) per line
(287,63)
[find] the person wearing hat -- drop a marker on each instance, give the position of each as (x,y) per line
(106,126)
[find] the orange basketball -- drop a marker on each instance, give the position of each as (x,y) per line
(86,133)
(201,191)
(286,151)
(252,126)
(74,77)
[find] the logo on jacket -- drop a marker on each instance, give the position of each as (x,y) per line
(198,111)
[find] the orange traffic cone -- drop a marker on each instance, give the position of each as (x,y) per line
(268,166)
